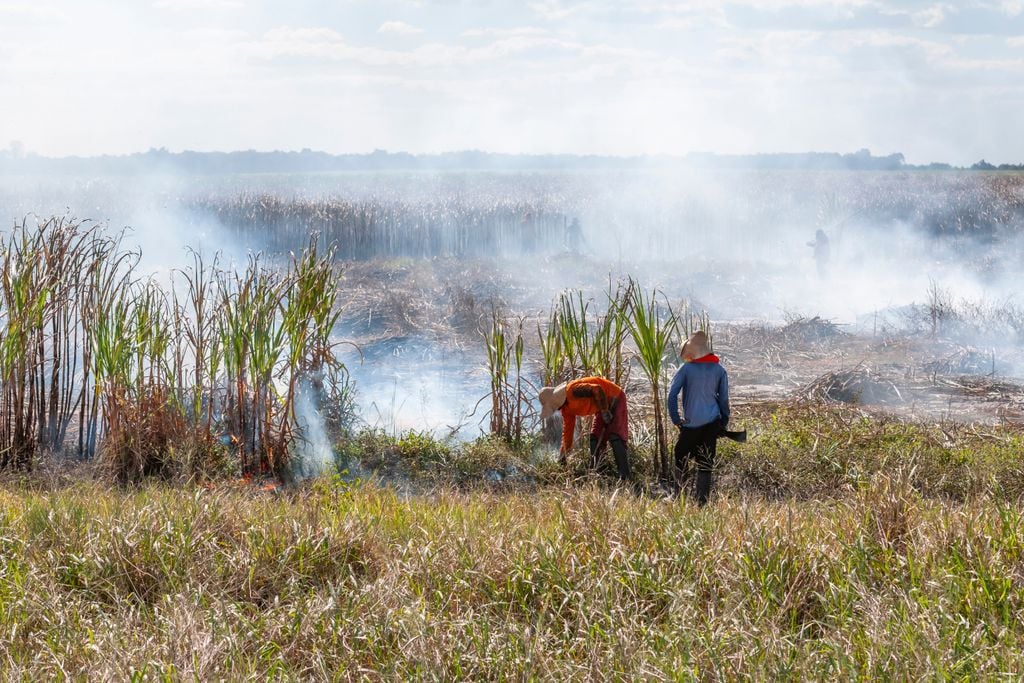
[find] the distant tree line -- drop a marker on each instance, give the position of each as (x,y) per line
(861,160)
(16,160)
(985,166)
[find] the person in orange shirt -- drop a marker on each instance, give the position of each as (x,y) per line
(591,396)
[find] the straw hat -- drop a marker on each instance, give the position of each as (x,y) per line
(696,346)
(551,399)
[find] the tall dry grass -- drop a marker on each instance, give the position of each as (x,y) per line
(147,368)
(566,584)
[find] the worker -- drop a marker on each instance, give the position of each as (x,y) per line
(595,396)
(574,241)
(704,385)
(821,252)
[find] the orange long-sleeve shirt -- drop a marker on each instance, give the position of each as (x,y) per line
(579,406)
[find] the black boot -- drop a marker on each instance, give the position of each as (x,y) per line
(595,457)
(703,487)
(621,458)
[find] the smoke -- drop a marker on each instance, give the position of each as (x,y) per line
(413,383)
(148,210)
(737,242)
(732,242)
(312,451)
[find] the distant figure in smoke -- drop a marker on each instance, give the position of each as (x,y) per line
(704,385)
(591,396)
(821,251)
(574,241)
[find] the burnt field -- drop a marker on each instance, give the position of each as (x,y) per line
(913,312)
(230,449)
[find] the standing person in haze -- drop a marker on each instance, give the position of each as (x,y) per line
(704,385)
(591,396)
(821,251)
(574,241)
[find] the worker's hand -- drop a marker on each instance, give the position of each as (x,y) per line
(606,415)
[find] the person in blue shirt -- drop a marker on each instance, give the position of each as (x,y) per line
(704,385)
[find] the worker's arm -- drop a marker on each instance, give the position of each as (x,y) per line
(568,431)
(673,397)
(723,396)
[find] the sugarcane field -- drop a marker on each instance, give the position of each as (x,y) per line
(588,380)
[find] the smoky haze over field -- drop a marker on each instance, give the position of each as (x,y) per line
(427,253)
(734,241)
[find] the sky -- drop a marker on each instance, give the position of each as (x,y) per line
(937,81)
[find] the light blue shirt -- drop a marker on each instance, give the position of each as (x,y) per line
(705,388)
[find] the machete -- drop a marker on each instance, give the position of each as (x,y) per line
(738,437)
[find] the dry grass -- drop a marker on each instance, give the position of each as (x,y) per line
(808,451)
(339,582)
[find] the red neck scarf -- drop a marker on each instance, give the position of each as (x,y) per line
(710,358)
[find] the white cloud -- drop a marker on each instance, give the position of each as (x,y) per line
(555,10)
(931,17)
(1008,65)
(328,45)
(888,39)
(399,28)
(214,35)
(776,5)
(505,32)
(561,9)
(33,11)
(678,23)
(1012,7)
(1015,42)
(181,5)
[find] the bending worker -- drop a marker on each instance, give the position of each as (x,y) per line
(591,396)
(705,388)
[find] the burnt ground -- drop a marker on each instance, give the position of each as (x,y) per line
(419,362)
(913,376)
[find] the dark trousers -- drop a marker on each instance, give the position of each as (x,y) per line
(698,443)
(618,449)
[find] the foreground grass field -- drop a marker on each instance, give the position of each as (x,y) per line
(838,546)
(341,583)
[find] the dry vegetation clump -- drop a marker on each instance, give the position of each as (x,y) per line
(447,300)
(356,582)
(98,360)
(765,351)
(466,312)
(859,386)
(986,388)
(416,461)
(946,316)
(387,299)
(961,360)
(803,330)
(1005,397)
